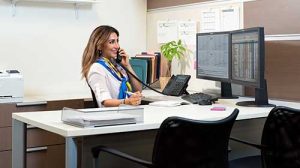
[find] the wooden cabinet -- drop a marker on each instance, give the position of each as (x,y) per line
(58,105)
(5,134)
(5,114)
(5,139)
(89,103)
(5,159)
(44,149)
(39,137)
(46,157)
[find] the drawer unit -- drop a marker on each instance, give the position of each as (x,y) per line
(46,157)
(5,138)
(39,157)
(38,137)
(7,109)
(59,105)
(44,149)
(32,106)
(35,137)
(5,159)
(5,114)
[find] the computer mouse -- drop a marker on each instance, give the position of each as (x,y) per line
(205,102)
(184,103)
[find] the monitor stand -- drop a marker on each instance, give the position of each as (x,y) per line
(261,98)
(226,91)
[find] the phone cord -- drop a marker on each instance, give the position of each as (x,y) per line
(135,77)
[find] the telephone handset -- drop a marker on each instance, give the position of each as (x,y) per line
(177,85)
(119,57)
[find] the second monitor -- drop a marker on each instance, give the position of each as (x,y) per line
(248,63)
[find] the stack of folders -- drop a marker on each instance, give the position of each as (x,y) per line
(147,66)
(96,119)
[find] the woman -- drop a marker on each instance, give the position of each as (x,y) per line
(108,80)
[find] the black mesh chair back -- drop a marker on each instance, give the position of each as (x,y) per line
(281,135)
(185,143)
(95,103)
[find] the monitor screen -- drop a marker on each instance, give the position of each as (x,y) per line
(213,60)
(213,56)
(248,57)
(248,63)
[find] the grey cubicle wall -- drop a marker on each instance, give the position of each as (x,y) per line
(282,57)
(152,4)
(277,16)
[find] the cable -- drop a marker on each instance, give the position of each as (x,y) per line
(135,77)
(151,83)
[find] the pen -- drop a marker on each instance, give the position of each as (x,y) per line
(130,93)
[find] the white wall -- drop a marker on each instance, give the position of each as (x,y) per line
(45,41)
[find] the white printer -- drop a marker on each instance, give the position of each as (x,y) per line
(11,86)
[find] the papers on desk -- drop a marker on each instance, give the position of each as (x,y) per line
(167,103)
(101,118)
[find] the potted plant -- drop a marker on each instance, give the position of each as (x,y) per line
(171,50)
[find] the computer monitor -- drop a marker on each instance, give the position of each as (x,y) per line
(213,52)
(248,63)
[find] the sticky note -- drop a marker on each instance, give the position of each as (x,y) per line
(216,108)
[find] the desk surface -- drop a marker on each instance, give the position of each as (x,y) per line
(153,117)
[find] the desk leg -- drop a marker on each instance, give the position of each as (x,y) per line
(18,144)
(71,153)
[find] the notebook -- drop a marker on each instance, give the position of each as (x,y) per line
(166,103)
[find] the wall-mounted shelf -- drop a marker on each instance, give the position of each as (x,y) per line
(76,3)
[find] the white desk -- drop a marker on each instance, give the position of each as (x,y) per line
(153,117)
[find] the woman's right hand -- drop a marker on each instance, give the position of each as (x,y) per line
(134,99)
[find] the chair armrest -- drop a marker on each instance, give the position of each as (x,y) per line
(261,147)
(96,151)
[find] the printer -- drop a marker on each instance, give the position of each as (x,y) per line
(11,86)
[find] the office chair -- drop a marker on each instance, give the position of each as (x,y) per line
(95,103)
(185,143)
(280,143)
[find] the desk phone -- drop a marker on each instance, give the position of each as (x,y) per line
(177,85)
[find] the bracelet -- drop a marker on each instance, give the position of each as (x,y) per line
(122,101)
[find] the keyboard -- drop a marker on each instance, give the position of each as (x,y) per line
(197,97)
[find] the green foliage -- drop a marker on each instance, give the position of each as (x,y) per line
(173,49)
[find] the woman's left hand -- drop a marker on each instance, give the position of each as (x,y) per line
(125,60)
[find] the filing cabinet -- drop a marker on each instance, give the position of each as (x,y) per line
(5,114)
(44,149)
(46,157)
(5,159)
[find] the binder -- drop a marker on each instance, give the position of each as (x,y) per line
(158,60)
(149,68)
(152,66)
(140,67)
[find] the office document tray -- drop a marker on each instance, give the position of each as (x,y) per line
(102,116)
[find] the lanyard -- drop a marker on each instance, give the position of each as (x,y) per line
(125,85)
(111,68)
